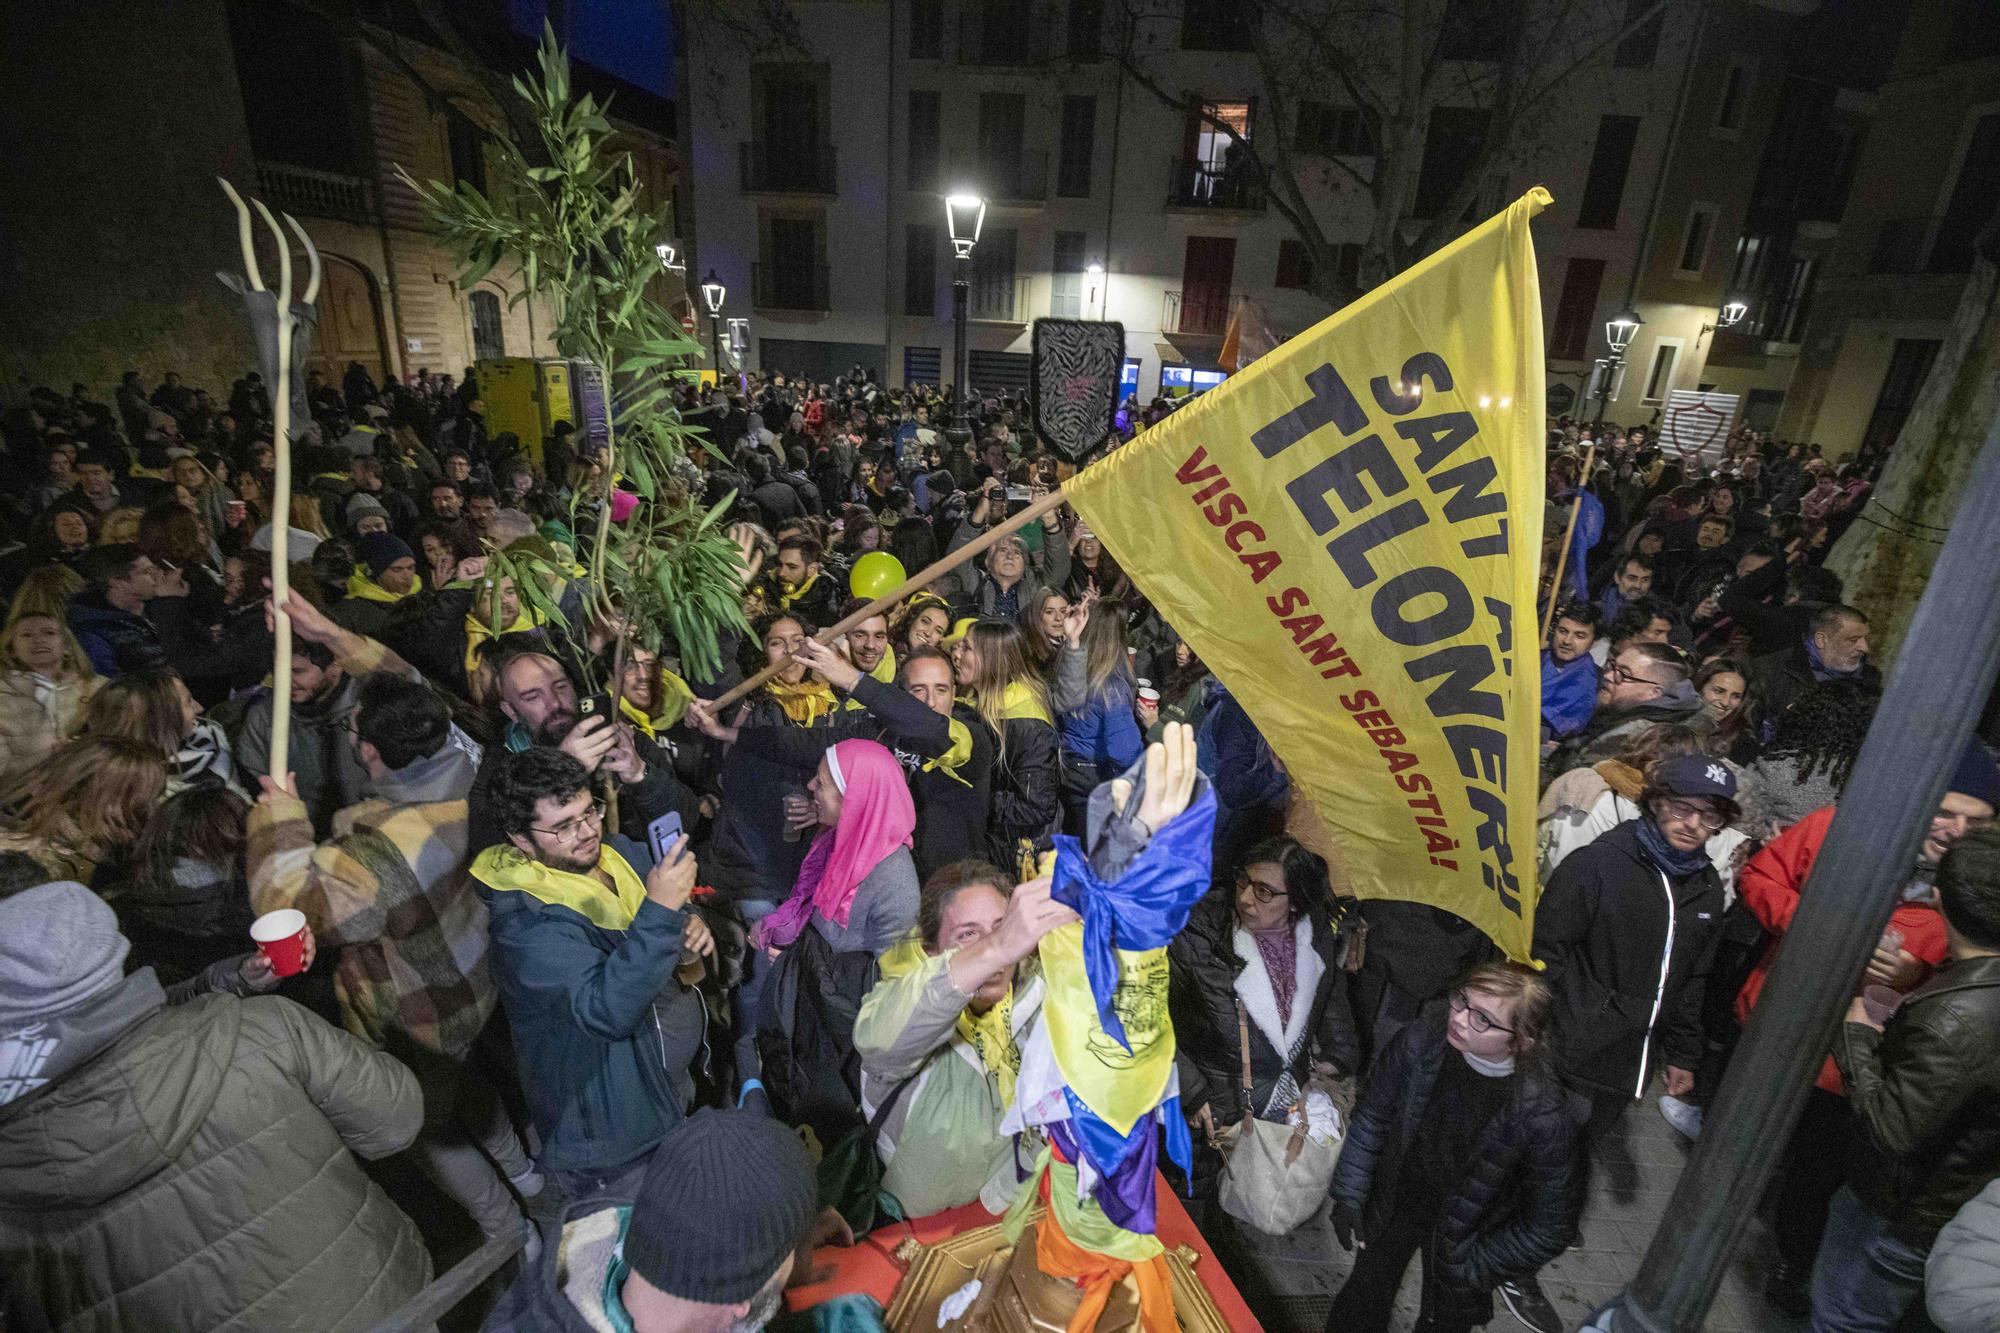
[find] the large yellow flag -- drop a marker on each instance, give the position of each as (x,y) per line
(1349,534)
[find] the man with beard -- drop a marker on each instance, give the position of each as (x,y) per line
(539,702)
(708,1241)
(584,954)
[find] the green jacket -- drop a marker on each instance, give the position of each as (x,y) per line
(192,1168)
(941,1145)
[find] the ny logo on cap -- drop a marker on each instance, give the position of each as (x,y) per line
(1718,774)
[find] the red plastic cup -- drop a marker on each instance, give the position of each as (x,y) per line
(281,937)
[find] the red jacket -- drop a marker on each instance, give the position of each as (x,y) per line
(1770,885)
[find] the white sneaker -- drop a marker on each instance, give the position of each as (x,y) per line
(1685,1117)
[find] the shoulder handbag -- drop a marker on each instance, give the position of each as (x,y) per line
(1274,1176)
(850,1174)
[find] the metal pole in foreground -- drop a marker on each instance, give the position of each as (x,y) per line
(1941,679)
(961,292)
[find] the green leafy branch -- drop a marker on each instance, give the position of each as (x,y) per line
(585,241)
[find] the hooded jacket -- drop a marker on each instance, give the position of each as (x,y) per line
(1611,731)
(115,640)
(1215,965)
(35,716)
(581,970)
(190,1168)
(1628,951)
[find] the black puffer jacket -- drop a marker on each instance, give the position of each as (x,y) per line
(1628,959)
(1208,978)
(1926,1097)
(1507,1216)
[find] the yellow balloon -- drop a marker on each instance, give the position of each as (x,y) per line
(876,573)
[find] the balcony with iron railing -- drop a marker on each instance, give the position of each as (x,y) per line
(307,192)
(1204,312)
(1942,245)
(786,167)
(1200,185)
(790,288)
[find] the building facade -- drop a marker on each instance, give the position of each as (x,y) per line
(129,113)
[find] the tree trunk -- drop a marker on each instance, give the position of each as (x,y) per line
(1885,558)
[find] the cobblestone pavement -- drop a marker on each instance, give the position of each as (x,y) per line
(1289,1281)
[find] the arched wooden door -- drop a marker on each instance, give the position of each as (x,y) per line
(350,322)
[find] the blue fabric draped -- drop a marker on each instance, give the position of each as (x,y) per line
(1569,694)
(1144,908)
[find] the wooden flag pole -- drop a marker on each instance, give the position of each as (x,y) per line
(1569,531)
(923,576)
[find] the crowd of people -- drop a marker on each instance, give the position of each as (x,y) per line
(595,955)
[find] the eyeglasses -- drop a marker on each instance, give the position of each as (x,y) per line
(573,830)
(1258,891)
(1674,808)
(1616,671)
(1480,1020)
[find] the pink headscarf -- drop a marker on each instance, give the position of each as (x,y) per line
(876,817)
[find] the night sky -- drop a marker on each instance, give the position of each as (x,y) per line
(631,39)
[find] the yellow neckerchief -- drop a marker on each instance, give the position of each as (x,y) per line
(990,1035)
(673,706)
(477,631)
(951,760)
(804,703)
(505,866)
(787,594)
(156,473)
(1021,701)
(365,589)
(883,672)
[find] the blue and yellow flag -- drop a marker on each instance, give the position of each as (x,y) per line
(1349,534)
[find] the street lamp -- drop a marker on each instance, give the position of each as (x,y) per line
(669,258)
(964,215)
(1732,313)
(712,292)
(1619,331)
(1096,272)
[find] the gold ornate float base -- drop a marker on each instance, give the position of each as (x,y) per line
(1017,1297)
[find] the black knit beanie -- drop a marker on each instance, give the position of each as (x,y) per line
(728,1195)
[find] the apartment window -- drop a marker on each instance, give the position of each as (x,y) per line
(1730,107)
(1006,30)
(1640,45)
(920,244)
(921,365)
(1066,276)
(489,334)
(1295,268)
(1335,131)
(1695,237)
(1086,28)
(794,265)
(1610,162)
(468,154)
(1217,25)
(1475,29)
(925,113)
(1975,193)
(926,29)
(1207,271)
(1576,309)
(1347,264)
(1079,140)
(1003,119)
(993,274)
(1661,377)
(1453,144)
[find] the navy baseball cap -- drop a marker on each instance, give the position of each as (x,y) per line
(1695,775)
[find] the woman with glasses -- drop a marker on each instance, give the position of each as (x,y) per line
(1262,954)
(1460,1150)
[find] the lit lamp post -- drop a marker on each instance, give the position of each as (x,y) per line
(712,292)
(964,215)
(1732,313)
(669,258)
(1096,272)
(1619,331)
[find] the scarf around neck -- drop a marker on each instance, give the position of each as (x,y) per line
(804,703)
(1821,671)
(1669,859)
